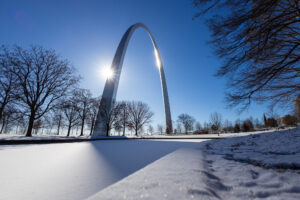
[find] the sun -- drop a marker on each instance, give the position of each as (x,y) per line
(107,73)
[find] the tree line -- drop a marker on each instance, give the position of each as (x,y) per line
(187,124)
(39,92)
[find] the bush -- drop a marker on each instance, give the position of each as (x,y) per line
(247,126)
(236,128)
(271,122)
(289,120)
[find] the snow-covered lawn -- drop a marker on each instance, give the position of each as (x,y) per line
(250,167)
(74,171)
(255,166)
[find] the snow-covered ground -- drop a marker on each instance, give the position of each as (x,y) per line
(256,166)
(248,167)
(74,170)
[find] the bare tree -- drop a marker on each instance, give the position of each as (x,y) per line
(198,126)
(43,78)
(83,98)
(150,129)
(139,114)
(8,84)
(109,116)
(160,128)
(179,128)
(92,114)
(58,115)
(122,118)
(70,110)
(228,128)
(259,42)
(216,121)
(187,121)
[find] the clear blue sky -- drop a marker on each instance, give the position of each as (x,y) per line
(87,33)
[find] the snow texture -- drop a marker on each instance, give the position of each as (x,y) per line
(208,173)
(277,149)
(74,171)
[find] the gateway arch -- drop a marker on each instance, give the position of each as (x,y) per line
(111,85)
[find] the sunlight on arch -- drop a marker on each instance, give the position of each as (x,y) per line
(158,62)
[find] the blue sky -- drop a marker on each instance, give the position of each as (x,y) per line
(87,33)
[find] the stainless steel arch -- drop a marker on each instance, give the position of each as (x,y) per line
(111,85)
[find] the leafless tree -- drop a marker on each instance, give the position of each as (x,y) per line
(198,126)
(83,98)
(122,118)
(92,114)
(187,121)
(216,121)
(8,84)
(150,129)
(139,114)
(179,128)
(259,43)
(58,115)
(228,128)
(160,128)
(43,78)
(109,116)
(70,110)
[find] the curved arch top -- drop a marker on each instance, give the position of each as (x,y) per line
(111,85)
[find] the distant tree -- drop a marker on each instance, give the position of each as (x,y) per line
(206,126)
(92,114)
(178,128)
(259,42)
(122,118)
(37,125)
(83,97)
(271,122)
(139,114)
(70,110)
(9,116)
(150,129)
(198,126)
(43,78)
(247,126)
(290,120)
(228,126)
(187,121)
(109,115)
(216,121)
(257,123)
(58,116)
(160,128)
(237,128)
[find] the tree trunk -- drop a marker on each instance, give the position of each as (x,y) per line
(30,125)
(2,127)
(107,130)
(124,123)
(82,126)
(136,131)
(69,130)
(58,126)
(92,127)
(1,112)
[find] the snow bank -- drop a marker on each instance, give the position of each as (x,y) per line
(277,149)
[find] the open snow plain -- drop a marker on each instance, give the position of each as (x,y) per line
(75,170)
(257,166)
